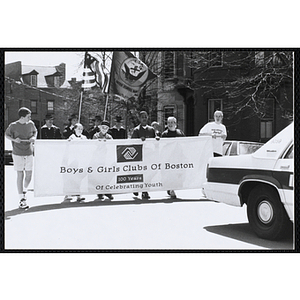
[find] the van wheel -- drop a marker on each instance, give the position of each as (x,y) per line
(266,213)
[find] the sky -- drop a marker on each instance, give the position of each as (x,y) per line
(71,59)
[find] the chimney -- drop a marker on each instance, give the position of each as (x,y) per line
(62,69)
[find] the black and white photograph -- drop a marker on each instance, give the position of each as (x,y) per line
(148,150)
(87,159)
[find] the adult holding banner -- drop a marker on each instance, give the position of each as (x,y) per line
(172,132)
(143,131)
(95,128)
(69,129)
(118,131)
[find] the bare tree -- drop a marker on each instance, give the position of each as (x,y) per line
(247,79)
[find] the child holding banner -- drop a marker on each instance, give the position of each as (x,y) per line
(102,134)
(143,131)
(156,127)
(77,135)
(171,132)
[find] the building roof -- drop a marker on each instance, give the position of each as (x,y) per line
(43,72)
(66,84)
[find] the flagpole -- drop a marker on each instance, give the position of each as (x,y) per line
(82,89)
(80,104)
(106,102)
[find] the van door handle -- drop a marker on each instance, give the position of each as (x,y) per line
(285,167)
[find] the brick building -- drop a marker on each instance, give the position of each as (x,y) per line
(44,90)
(254,89)
(193,84)
(171,90)
(37,88)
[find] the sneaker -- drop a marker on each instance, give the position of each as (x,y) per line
(172,194)
(136,194)
(100,197)
(109,196)
(145,195)
(23,204)
(79,199)
(67,198)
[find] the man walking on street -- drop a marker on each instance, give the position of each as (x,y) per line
(23,134)
(217,131)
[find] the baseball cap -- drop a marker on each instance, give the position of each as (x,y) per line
(104,122)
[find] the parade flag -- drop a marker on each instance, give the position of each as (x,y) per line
(128,75)
(93,74)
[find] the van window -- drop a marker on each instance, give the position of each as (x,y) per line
(290,153)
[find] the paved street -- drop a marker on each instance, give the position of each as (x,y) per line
(189,222)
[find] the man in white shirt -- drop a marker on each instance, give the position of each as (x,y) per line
(217,131)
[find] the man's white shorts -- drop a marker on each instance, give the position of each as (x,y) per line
(22,163)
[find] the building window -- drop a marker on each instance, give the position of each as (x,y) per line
(290,153)
(213,105)
(50,106)
(266,123)
(179,64)
(33,106)
(168,112)
(259,58)
(216,59)
(33,80)
(168,64)
(266,129)
(277,59)
(8,89)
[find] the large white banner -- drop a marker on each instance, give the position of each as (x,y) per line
(86,167)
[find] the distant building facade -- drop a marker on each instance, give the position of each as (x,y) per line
(188,86)
(45,90)
(35,87)
(192,89)
(171,89)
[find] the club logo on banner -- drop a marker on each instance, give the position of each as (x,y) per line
(129,153)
